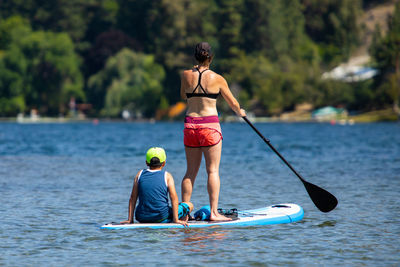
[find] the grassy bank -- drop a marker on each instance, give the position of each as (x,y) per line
(376,115)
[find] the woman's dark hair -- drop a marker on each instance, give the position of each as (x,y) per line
(202,52)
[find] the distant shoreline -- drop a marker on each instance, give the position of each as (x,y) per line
(386,115)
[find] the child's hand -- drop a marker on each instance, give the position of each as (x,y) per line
(182,222)
(125,222)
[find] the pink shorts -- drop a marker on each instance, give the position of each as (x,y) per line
(202,131)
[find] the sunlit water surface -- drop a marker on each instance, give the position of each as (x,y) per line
(60,182)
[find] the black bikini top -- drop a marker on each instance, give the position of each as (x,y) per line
(204,94)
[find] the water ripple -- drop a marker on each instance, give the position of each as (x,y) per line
(60,182)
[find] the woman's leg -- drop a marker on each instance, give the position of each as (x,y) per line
(193,161)
(212,156)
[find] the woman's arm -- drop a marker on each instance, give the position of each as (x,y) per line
(229,98)
(132,200)
(183,86)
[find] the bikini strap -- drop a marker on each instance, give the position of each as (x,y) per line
(199,82)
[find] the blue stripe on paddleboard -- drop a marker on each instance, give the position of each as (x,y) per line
(297,216)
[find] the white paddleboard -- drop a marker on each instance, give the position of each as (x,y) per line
(275,214)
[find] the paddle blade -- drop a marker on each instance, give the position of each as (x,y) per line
(322,199)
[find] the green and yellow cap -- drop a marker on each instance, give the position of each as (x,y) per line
(156,152)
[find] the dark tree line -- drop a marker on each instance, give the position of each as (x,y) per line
(127,54)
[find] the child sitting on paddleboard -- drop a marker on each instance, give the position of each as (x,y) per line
(152,187)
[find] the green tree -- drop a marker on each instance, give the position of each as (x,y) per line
(82,20)
(39,68)
(169,29)
(13,67)
(333,25)
(273,74)
(230,24)
(334,93)
(276,29)
(53,71)
(107,44)
(12,70)
(386,53)
(131,81)
(268,89)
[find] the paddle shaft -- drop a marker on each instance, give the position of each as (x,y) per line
(322,199)
(273,148)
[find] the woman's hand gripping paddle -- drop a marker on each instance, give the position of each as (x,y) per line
(322,199)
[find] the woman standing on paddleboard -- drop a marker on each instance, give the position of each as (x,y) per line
(200,86)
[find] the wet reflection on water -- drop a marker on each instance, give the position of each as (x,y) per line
(197,239)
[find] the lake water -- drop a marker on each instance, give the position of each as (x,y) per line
(60,182)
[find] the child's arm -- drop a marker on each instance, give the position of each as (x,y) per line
(174,200)
(132,200)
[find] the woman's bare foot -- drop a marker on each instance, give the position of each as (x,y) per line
(219,217)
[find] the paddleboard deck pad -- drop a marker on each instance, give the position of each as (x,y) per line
(275,214)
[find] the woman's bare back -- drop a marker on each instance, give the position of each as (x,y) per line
(199,106)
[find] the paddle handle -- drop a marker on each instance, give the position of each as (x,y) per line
(273,148)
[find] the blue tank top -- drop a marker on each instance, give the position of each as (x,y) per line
(153,196)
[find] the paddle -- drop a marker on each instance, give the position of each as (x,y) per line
(322,199)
